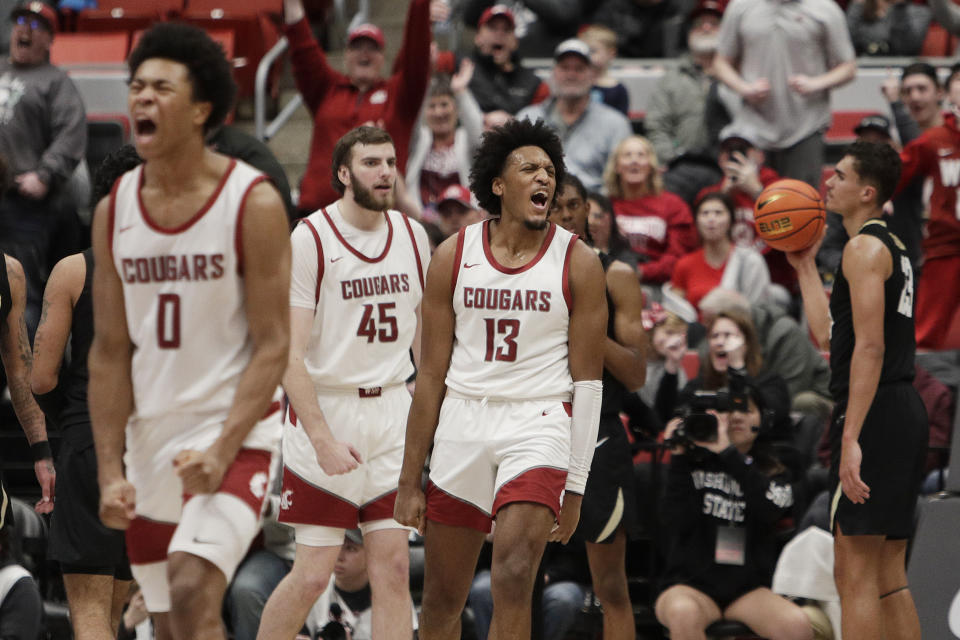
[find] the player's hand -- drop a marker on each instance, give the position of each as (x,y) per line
(336,457)
(757,91)
(804,85)
(854,488)
(118,501)
(798,258)
(47,477)
(30,185)
(568,518)
(200,472)
(723,438)
(410,508)
(136,612)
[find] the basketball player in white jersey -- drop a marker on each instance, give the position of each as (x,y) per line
(357,283)
(191,334)
(514,319)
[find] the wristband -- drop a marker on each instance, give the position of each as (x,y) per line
(41,450)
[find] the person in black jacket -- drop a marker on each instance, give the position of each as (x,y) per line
(723,500)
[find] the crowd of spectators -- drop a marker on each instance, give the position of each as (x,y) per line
(746,103)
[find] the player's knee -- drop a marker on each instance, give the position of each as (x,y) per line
(441,605)
(512,580)
(308,582)
(390,574)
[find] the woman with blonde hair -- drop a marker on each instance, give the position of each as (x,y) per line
(657,223)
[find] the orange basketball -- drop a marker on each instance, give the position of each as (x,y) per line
(789,215)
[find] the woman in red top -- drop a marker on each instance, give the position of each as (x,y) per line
(657,223)
(718,261)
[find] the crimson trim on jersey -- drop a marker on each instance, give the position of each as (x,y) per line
(542,485)
(416,251)
(112,213)
(344,242)
(379,509)
(567,295)
(238,230)
(196,217)
(454,512)
(309,504)
(485,233)
(316,240)
(457,257)
(147,540)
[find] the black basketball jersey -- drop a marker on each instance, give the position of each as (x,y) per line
(613,390)
(5,300)
(898,304)
(74,379)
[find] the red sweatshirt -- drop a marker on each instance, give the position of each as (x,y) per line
(936,153)
(660,229)
(338,106)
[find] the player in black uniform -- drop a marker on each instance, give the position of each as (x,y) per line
(93,558)
(608,511)
(879,432)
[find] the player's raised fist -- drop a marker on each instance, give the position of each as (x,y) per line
(410,509)
(336,457)
(200,472)
(118,501)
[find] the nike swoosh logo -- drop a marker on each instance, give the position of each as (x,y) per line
(470,266)
(127,228)
(546,412)
(338,258)
(772,198)
(197,540)
(601,441)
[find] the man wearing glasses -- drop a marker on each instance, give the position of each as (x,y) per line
(43,135)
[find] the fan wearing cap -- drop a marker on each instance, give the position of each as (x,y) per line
(500,83)
(456,210)
(540,24)
(43,136)
(783,59)
(340,102)
(589,130)
(675,113)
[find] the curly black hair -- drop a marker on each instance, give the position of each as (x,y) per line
(497,145)
(211,74)
(113,166)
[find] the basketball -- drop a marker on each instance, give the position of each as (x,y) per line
(789,215)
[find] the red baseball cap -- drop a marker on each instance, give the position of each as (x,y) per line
(37,9)
(456,193)
(497,11)
(367,30)
(715,7)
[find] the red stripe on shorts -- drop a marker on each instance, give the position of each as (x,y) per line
(247,478)
(446,509)
(303,503)
(147,540)
(379,509)
(542,485)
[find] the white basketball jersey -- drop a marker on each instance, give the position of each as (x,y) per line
(184,297)
(511,332)
(365,304)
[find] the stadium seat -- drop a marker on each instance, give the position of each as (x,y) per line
(105,134)
(127,15)
(691,364)
(76,49)
(938,43)
(842,124)
(730,629)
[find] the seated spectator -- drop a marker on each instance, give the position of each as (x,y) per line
(785,347)
(658,224)
(675,121)
(603,49)
(744,176)
(589,130)
(442,148)
(718,262)
(565,579)
(540,25)
(723,497)
(456,210)
(646,28)
(345,603)
(887,27)
(667,335)
(500,83)
(606,235)
(21,607)
(340,102)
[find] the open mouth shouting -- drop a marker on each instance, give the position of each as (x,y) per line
(540,200)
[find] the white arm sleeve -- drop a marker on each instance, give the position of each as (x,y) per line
(587,397)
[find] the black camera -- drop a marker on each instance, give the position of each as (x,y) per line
(700,426)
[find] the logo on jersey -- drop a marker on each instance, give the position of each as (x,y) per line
(506,299)
(337,259)
(950,172)
(374,286)
(470,266)
(191,268)
(258,485)
(286,499)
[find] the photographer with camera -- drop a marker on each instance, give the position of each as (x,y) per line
(724,493)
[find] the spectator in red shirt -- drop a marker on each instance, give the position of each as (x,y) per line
(744,177)
(339,102)
(657,223)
